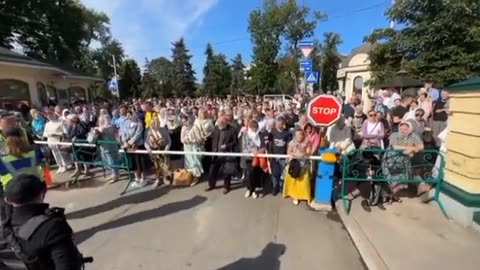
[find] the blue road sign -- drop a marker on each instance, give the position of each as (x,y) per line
(306,64)
(312,76)
(305,43)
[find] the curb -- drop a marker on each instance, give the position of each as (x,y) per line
(370,255)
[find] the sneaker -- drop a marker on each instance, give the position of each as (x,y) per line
(254,195)
(248,194)
(156,183)
(295,202)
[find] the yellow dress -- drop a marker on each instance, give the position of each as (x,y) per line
(299,188)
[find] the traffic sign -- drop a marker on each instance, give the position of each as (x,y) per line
(324,110)
(306,64)
(306,47)
(312,76)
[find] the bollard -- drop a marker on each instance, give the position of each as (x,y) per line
(324,180)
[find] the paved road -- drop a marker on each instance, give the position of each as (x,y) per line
(186,228)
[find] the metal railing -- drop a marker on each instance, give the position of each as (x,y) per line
(377,166)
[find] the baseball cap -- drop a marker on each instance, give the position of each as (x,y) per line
(24,188)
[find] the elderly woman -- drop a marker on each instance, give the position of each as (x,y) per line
(133,140)
(339,135)
(158,138)
(397,164)
(195,142)
(77,130)
(54,132)
(106,131)
(297,185)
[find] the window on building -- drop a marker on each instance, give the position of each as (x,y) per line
(14,92)
(77,93)
(52,93)
(358,86)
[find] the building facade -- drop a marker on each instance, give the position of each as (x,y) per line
(353,74)
(38,83)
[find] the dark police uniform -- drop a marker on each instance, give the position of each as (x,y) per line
(42,238)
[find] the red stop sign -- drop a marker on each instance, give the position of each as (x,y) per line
(324,110)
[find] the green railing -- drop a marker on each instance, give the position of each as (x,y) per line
(392,166)
(91,156)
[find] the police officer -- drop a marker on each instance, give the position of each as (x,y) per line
(42,239)
(19,157)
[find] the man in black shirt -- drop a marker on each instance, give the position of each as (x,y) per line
(279,144)
(398,112)
(440,115)
(42,238)
(290,118)
(224,139)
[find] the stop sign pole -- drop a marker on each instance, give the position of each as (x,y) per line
(324,110)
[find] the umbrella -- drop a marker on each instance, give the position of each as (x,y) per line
(402,80)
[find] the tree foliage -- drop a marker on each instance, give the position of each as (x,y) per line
(439,40)
(331,60)
(238,75)
(130,79)
(279,20)
(217,74)
(58,30)
(183,74)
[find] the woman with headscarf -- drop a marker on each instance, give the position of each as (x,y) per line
(397,164)
(158,138)
(174,127)
(313,137)
(54,132)
(195,142)
(251,143)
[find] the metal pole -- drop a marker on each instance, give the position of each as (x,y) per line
(182,153)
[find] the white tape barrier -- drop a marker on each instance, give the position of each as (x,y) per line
(182,153)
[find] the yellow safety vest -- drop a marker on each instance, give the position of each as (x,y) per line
(28,164)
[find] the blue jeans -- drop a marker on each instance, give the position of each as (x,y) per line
(110,160)
(277,166)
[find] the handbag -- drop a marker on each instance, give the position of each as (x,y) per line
(182,177)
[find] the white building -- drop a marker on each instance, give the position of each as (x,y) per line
(353,74)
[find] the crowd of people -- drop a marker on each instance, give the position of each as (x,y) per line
(251,125)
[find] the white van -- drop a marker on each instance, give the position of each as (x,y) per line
(286,100)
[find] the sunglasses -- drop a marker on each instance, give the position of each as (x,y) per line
(371,115)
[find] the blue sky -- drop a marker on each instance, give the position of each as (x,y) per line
(146,28)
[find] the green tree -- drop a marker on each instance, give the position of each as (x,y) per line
(331,60)
(266,28)
(439,40)
(238,75)
(217,74)
(130,79)
(56,30)
(183,74)
(161,69)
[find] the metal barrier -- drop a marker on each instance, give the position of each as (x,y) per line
(393,167)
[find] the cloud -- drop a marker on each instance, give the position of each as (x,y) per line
(146,28)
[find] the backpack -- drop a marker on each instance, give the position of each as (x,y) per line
(22,235)
(295,168)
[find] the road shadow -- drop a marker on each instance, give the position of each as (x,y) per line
(269,259)
(161,211)
(134,198)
